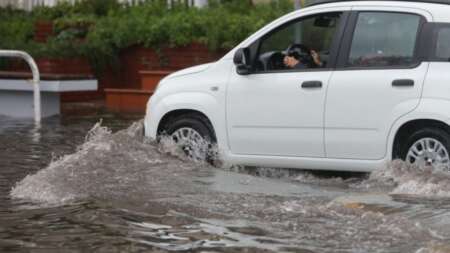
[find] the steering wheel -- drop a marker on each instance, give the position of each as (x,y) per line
(302,53)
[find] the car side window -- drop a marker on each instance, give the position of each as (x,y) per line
(443,44)
(384,39)
(307,42)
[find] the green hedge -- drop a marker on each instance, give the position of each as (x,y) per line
(100,29)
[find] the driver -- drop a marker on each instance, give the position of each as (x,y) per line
(292,61)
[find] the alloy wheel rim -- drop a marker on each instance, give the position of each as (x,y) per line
(191,143)
(429,152)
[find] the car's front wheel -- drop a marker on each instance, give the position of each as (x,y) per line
(428,147)
(194,135)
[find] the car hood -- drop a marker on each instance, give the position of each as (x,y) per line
(189,71)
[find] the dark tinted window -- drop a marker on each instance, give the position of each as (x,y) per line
(314,32)
(443,44)
(384,39)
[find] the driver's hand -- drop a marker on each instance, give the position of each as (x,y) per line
(290,61)
(316,58)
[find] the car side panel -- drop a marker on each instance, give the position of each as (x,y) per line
(435,101)
(361,106)
(437,84)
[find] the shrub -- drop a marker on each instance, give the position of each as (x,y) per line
(100,29)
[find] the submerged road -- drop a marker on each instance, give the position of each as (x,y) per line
(117,192)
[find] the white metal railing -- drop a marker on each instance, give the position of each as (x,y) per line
(36,78)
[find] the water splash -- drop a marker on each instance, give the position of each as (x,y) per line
(435,247)
(405,178)
(106,165)
(127,171)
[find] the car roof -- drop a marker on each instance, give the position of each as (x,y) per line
(319,2)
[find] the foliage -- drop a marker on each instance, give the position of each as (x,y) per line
(15,28)
(73,27)
(100,29)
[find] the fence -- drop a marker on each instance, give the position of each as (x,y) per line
(30,4)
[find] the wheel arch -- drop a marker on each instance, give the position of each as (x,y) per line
(171,115)
(160,108)
(411,126)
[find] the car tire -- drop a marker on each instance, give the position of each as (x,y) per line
(193,125)
(428,146)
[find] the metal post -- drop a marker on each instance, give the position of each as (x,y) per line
(36,78)
(297,4)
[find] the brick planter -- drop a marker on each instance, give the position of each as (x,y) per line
(151,78)
(15,64)
(127,101)
(78,66)
(187,56)
(137,58)
(143,68)
(70,67)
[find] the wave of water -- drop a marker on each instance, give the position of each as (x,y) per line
(106,166)
(409,179)
(130,172)
(107,155)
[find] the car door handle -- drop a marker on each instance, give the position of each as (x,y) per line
(403,83)
(312,84)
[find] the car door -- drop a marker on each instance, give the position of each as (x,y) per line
(379,78)
(278,111)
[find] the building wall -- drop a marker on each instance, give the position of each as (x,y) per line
(7,2)
(29,4)
(297,3)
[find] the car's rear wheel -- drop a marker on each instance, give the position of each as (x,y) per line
(194,135)
(428,147)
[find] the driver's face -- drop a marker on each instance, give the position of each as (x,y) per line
(290,61)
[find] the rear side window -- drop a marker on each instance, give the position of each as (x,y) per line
(384,39)
(443,44)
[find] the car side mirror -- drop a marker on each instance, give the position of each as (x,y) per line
(242,61)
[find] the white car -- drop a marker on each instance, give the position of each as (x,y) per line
(380,91)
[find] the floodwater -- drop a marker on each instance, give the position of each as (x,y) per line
(73,185)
